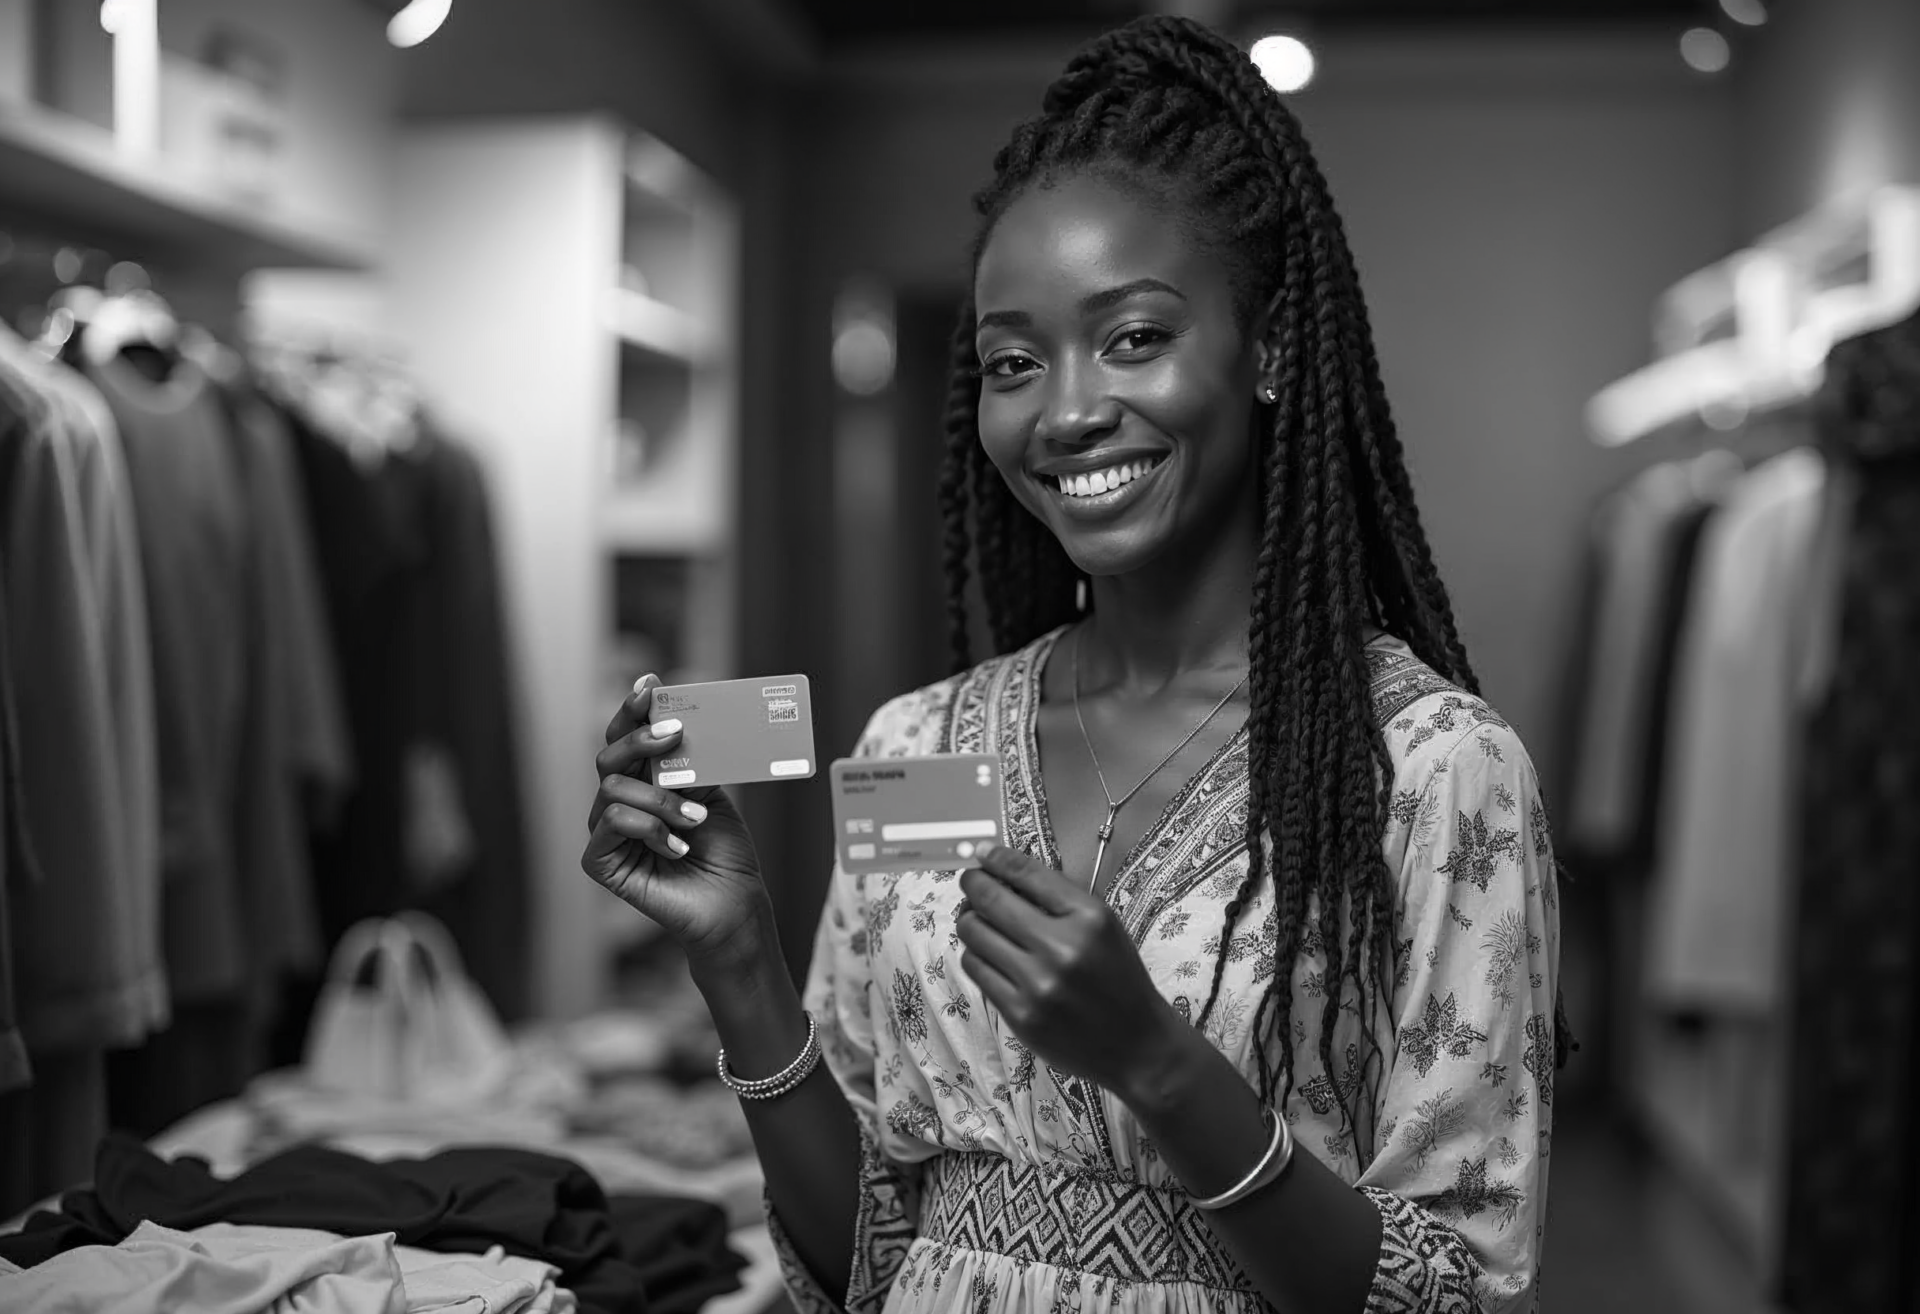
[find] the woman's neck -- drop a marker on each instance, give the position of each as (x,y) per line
(1143,636)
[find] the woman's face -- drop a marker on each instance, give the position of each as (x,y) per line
(1118,386)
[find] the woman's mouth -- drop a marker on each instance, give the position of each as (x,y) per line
(1104,490)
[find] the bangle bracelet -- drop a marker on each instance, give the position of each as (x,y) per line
(1274,1162)
(766,1088)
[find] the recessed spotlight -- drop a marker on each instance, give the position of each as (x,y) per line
(418,21)
(1285,62)
(1705,50)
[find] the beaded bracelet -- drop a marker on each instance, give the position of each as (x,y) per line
(766,1088)
(1274,1162)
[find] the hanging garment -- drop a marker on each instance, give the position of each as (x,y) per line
(86,945)
(1716,909)
(16,864)
(82,888)
(988,1173)
(435,820)
(195,550)
(369,550)
(1644,535)
(1853,1197)
(465,699)
(297,751)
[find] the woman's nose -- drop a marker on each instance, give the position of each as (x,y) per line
(1076,406)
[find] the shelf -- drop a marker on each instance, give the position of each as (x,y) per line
(62,171)
(655,329)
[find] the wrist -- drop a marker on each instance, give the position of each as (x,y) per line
(747,957)
(1171,1059)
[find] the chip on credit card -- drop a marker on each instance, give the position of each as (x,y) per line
(914,813)
(736,732)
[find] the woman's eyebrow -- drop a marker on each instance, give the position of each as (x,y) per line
(1095,302)
(1091,304)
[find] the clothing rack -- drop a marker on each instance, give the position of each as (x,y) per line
(1750,334)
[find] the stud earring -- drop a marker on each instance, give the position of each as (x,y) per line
(1273,393)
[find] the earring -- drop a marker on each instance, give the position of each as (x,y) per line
(1273,394)
(1080,594)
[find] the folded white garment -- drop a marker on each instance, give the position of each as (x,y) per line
(158,1270)
(432,1282)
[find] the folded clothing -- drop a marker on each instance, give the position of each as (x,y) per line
(463,1200)
(158,1270)
(493,1283)
(683,1255)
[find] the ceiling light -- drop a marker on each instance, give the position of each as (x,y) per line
(1285,62)
(1752,13)
(1706,50)
(418,21)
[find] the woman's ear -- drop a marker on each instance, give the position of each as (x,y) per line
(1266,352)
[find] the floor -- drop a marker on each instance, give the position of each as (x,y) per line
(1622,1238)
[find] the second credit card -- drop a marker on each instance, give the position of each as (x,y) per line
(914,813)
(736,732)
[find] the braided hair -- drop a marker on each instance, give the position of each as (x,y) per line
(1180,117)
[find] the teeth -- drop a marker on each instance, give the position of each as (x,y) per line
(1104,481)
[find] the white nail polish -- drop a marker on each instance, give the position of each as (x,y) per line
(678,845)
(640,685)
(663,728)
(693,812)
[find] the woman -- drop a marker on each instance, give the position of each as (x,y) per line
(1266,853)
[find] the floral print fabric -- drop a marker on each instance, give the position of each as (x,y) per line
(1454,1143)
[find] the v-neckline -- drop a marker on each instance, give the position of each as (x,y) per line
(1035,680)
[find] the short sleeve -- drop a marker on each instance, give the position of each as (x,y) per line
(1460,1170)
(838,994)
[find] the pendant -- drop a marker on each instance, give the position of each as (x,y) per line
(1106,830)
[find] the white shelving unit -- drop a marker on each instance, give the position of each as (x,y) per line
(566,289)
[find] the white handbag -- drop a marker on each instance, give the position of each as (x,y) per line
(399,1019)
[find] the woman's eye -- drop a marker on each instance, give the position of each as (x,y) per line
(1009,366)
(1142,338)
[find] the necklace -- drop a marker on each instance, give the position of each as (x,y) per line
(1113,805)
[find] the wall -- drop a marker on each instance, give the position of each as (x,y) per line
(1831,102)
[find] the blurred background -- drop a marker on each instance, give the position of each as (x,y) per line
(514,350)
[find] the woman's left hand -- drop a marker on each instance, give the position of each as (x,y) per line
(1062,970)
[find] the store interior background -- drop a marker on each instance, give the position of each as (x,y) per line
(1520,182)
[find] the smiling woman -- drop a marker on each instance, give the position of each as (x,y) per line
(1295,1048)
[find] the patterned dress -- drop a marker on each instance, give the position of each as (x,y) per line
(993,1184)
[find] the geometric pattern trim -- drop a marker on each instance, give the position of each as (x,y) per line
(1425,1266)
(1399,681)
(1076,1220)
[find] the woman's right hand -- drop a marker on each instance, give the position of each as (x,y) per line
(684,859)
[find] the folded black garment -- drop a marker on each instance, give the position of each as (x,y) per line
(459,1200)
(680,1247)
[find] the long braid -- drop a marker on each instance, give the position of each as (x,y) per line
(1182,116)
(963,399)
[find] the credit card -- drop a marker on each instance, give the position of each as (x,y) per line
(914,813)
(736,732)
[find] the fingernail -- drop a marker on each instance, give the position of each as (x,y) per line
(983,850)
(661,729)
(640,685)
(678,845)
(693,812)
